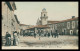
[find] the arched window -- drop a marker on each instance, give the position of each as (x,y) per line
(44,14)
(71,32)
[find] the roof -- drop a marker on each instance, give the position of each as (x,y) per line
(41,26)
(71,19)
(38,26)
(51,22)
(43,9)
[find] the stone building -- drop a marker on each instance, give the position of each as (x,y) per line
(16,24)
(9,21)
(67,27)
(50,24)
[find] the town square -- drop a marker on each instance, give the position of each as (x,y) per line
(39,25)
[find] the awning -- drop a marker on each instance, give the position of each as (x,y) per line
(38,27)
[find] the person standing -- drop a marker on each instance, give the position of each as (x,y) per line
(34,35)
(48,34)
(18,38)
(56,34)
(52,33)
(15,40)
(8,39)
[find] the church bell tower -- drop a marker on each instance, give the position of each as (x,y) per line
(44,17)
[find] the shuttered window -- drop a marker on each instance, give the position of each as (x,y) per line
(73,24)
(68,25)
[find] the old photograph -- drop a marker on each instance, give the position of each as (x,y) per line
(39,25)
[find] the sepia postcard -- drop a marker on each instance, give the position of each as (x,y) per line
(39,25)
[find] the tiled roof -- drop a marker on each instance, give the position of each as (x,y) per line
(38,26)
(51,22)
(68,20)
(41,26)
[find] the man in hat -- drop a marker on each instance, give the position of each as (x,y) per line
(8,39)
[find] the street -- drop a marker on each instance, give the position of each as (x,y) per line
(62,42)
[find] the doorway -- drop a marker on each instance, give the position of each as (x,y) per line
(71,32)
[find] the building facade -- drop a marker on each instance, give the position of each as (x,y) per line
(9,21)
(67,27)
(43,18)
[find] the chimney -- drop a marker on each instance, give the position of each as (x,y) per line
(73,17)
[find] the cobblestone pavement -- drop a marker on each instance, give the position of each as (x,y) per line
(62,42)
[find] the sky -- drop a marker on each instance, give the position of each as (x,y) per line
(29,12)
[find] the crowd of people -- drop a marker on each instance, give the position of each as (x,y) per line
(47,34)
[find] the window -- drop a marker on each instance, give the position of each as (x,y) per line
(77,23)
(68,25)
(44,15)
(64,31)
(12,24)
(73,24)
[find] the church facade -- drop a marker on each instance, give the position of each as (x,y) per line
(43,18)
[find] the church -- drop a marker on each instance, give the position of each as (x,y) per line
(43,20)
